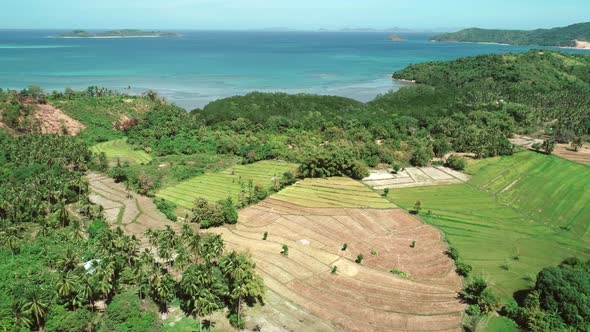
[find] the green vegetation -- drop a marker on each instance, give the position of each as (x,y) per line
(243,183)
(117,33)
(559,300)
(119,149)
(332,192)
(529,206)
(166,207)
(564,36)
(532,88)
(359,258)
(55,274)
(401,273)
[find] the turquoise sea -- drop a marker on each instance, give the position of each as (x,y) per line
(201,66)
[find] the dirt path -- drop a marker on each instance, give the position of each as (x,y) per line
(306,296)
(134,213)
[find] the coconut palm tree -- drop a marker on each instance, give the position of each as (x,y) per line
(37,307)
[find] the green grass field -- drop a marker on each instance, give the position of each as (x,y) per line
(516,216)
(215,186)
(120,149)
(332,192)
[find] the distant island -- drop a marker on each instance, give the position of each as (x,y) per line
(125,33)
(573,36)
(396,38)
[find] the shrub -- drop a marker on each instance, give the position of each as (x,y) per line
(285,251)
(413,245)
(422,157)
(462,268)
(265,236)
(334,269)
(457,163)
(96,226)
(344,247)
(478,293)
(359,258)
(166,207)
(401,273)
(386,192)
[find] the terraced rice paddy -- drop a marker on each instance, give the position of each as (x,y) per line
(120,149)
(516,216)
(332,192)
(315,218)
(414,177)
(230,182)
(133,213)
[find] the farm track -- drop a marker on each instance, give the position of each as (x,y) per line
(360,297)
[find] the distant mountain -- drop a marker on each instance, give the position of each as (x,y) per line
(117,33)
(571,36)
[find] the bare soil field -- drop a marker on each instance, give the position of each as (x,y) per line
(582,156)
(564,151)
(305,296)
(133,213)
(414,177)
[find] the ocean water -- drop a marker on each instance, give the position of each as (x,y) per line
(201,66)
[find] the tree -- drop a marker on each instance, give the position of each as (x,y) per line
(417,207)
(36,306)
(211,247)
(549,145)
(285,251)
(478,292)
(243,282)
(359,258)
(195,293)
(457,163)
(577,143)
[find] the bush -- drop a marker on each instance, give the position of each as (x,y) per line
(422,156)
(125,313)
(96,227)
(166,207)
(462,268)
(478,293)
(457,163)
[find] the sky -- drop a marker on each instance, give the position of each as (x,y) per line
(294,14)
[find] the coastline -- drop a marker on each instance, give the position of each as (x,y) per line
(580,45)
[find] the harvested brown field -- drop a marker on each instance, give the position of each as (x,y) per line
(304,294)
(565,151)
(582,156)
(414,177)
(133,213)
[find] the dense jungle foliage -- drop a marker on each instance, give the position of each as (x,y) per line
(563,36)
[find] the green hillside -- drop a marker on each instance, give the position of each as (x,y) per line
(516,216)
(563,36)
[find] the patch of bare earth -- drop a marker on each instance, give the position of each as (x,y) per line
(305,296)
(53,121)
(134,213)
(565,151)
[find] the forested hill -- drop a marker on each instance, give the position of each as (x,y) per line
(534,70)
(549,85)
(563,36)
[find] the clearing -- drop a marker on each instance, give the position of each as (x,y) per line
(564,151)
(517,215)
(53,121)
(414,177)
(215,186)
(315,217)
(119,149)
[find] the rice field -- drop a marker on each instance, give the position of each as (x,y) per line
(215,186)
(120,149)
(332,192)
(517,215)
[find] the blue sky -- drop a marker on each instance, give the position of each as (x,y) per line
(299,14)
